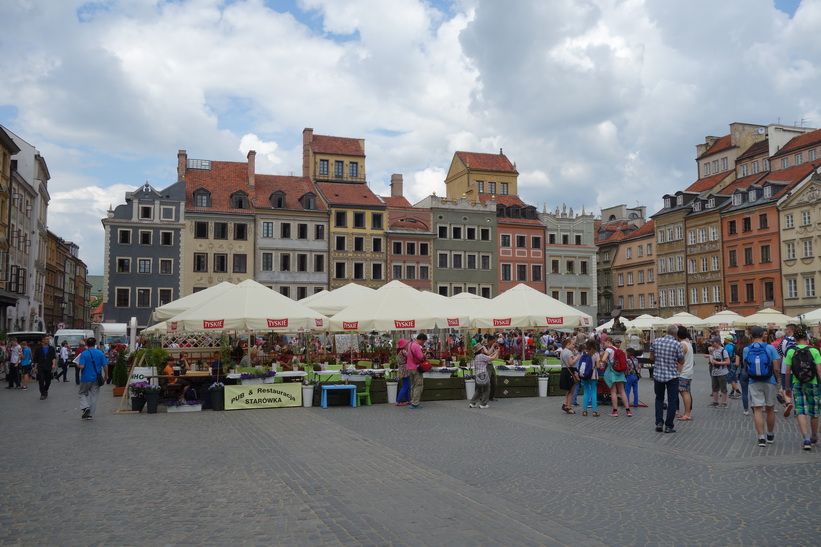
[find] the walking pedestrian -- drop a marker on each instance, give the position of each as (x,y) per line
(45,359)
(719,363)
(668,360)
(414,358)
(15,354)
(62,362)
(803,371)
(569,375)
(762,362)
(91,363)
(402,373)
(685,377)
(615,379)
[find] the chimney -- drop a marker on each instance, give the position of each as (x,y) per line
(182,163)
(307,139)
(396,186)
(252,166)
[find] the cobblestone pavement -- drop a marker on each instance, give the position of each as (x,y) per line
(519,473)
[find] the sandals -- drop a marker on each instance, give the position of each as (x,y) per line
(568,409)
(596,414)
(584,413)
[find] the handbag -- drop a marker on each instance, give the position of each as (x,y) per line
(424,366)
(100,379)
(482,378)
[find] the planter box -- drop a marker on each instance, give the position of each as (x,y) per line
(270,380)
(510,372)
(437,375)
(353,377)
(251,381)
(517,386)
(184,408)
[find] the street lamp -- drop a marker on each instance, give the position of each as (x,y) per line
(63,305)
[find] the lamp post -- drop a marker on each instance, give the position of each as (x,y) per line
(63,305)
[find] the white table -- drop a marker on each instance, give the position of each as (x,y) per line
(285,374)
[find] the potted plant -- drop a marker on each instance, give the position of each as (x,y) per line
(542,378)
(182,405)
(470,385)
(308,392)
(148,392)
(120,373)
(217,393)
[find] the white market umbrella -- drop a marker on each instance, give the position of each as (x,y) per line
(396,306)
(332,302)
(249,306)
(167,311)
(609,325)
(811,317)
(466,303)
(524,307)
(645,321)
(723,319)
(684,319)
(767,317)
(157,328)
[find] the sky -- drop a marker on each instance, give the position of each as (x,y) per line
(597,102)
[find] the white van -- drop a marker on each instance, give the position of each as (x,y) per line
(110,333)
(72,336)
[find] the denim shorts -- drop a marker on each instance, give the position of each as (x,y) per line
(731,375)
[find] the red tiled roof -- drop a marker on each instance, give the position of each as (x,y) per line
(293,187)
(345,146)
(644,230)
(757,149)
(486,162)
(742,183)
(791,175)
(395,202)
(721,144)
(612,238)
(706,183)
(502,199)
(813,137)
(223,179)
(532,221)
(338,193)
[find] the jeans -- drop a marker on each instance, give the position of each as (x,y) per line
(417,385)
(669,387)
(590,396)
(14,375)
(576,392)
(89,391)
(491,370)
(631,385)
(63,372)
(404,391)
(744,380)
(44,380)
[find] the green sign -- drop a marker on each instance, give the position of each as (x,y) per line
(263,396)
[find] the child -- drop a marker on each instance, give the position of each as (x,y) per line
(632,376)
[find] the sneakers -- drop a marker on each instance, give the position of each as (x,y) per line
(713,405)
(770,438)
(484,406)
(669,429)
(807,445)
(722,405)
(471,405)
(659,428)
(615,414)
(629,414)
(86,417)
(814,440)
(746,412)
(788,410)
(762,443)
(416,406)
(86,412)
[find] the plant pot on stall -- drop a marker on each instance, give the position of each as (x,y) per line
(307,395)
(392,388)
(118,391)
(470,388)
(152,399)
(137,404)
(543,386)
(217,400)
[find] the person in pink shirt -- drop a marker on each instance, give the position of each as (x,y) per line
(416,356)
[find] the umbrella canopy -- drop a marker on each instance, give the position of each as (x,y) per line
(811,317)
(396,306)
(332,302)
(248,306)
(767,317)
(684,319)
(524,307)
(166,312)
(646,321)
(466,303)
(157,328)
(722,319)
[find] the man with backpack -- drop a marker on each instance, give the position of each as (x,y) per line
(761,362)
(803,371)
(786,345)
(719,369)
(732,380)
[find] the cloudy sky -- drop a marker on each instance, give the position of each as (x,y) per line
(598,102)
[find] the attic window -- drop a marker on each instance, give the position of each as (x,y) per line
(768,191)
(204,165)
(711,203)
(697,206)
(278,199)
(308,201)
(679,200)
(666,205)
(202,198)
(737,199)
(239,200)
(751,195)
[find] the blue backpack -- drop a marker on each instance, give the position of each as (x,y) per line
(585,366)
(758,362)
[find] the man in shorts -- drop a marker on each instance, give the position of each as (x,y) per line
(805,395)
(762,392)
(719,368)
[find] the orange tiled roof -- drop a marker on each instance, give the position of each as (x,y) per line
(338,193)
(503,199)
(796,143)
(395,202)
(647,228)
(742,183)
(721,144)
(345,146)
(702,185)
(486,162)
(757,149)
(223,179)
(293,187)
(612,238)
(791,175)
(531,221)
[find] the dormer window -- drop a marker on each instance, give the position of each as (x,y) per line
(768,191)
(679,200)
(666,204)
(278,200)
(751,195)
(697,206)
(239,200)
(202,198)
(737,199)
(711,203)
(515,212)
(308,201)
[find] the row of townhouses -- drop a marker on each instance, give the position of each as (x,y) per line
(223,221)
(743,236)
(43,283)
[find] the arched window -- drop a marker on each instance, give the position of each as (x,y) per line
(202,198)
(278,199)
(239,200)
(308,201)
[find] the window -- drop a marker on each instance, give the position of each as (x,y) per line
(769,291)
(443,260)
(733,293)
(144,237)
(471,261)
(338,170)
(570,298)
(166,238)
(397,272)
(339,270)
(536,272)
(376,271)
(504,187)
(714,263)
(470,233)
(765,164)
(424,273)
(505,240)
(443,231)
(551,239)
(484,234)
(749,292)
(423,249)
(123,265)
(144,265)
(792,288)
(340,243)
(484,261)
(285,262)
(353,169)
(323,167)
(456,261)
(790,251)
(571,267)
(629,252)
(507,272)
(410,248)
(397,247)
(302,231)
(166,266)
(640,250)
(807,248)
(731,228)
(578,240)
(715,166)
(768,191)
(277,200)
(535,242)
(491,187)
(799,158)
(165,296)
(480,186)
(319,263)
(713,233)
(762,221)
(285,291)
(703,263)
(681,301)
(200,262)
(621,280)
(376,221)
(565,239)
(641,301)
(696,206)
(748,256)
(319,232)
(745,170)
(583,298)
(732,258)
(693,295)
(456,232)
(146,212)
(221,263)
(662,299)
(724,164)
(202,198)
(746,224)
(706,168)
(521,242)
(200,230)
(785,163)
(124,237)
(301,292)
(341,219)
(651,300)
(285,230)
(629,278)
(267,262)
(240,263)
(691,237)
(805,218)
(301,262)
(521,272)
(239,200)
(789,221)
(143,298)
(765,254)
(410,272)
(662,267)
(702,235)
(359,220)
(220,230)
(649,249)
(359,244)
(641,276)
(691,266)
(812,155)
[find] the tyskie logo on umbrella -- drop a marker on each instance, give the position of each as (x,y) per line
(554,320)
(453,322)
(172,326)
(213,324)
(319,322)
(350,325)
(277,323)
(502,322)
(411,324)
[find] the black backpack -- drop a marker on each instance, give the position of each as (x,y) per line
(803,365)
